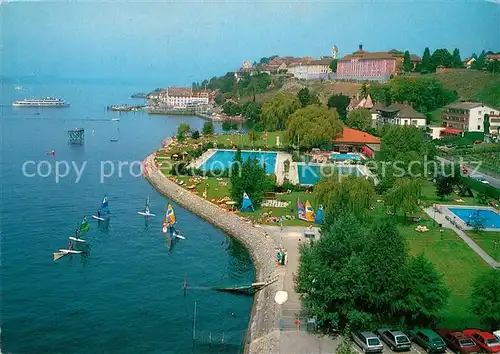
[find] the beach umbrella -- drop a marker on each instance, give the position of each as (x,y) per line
(281,297)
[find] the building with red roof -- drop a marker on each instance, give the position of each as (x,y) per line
(353,140)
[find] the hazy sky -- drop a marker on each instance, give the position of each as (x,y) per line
(181,42)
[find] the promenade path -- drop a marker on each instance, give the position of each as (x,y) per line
(440,218)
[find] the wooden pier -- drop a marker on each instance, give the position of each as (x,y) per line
(76,136)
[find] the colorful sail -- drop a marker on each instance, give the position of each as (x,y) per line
(246,203)
(170,217)
(104,205)
(309,212)
(301,210)
(319,215)
(84,226)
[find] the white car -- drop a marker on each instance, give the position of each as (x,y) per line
(480,179)
(497,334)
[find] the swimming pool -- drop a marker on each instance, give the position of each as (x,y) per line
(342,157)
(489,218)
(222,159)
(310,174)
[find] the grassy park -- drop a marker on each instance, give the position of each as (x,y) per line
(486,240)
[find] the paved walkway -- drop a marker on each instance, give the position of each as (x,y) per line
(295,341)
(440,218)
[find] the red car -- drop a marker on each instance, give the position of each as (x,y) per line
(487,341)
(458,342)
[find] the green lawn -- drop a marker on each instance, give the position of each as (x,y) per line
(486,239)
(454,260)
(243,140)
(429,196)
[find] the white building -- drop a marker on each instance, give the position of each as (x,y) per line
(183,97)
(315,69)
(469,116)
(398,114)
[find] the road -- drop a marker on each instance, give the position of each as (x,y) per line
(495,182)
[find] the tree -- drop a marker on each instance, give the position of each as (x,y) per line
(456,60)
(360,118)
(331,275)
(444,186)
(425,294)
(440,57)
(333,65)
(364,90)
(425,64)
(313,126)
(250,178)
(219,99)
(306,97)
(381,93)
(345,194)
(208,128)
(251,111)
(385,257)
(407,64)
(404,195)
(276,110)
(226,125)
(493,66)
(182,130)
(405,152)
(232,109)
(480,62)
(253,135)
(195,135)
(486,298)
(340,103)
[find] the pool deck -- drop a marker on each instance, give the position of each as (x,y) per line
(441,219)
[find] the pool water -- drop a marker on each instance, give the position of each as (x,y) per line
(345,157)
(222,159)
(310,174)
(490,218)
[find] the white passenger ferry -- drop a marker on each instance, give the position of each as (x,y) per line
(40,102)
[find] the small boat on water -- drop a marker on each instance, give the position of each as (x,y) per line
(84,226)
(146,212)
(168,225)
(115,119)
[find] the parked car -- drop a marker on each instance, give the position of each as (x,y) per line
(487,341)
(429,340)
(396,340)
(458,342)
(497,334)
(368,341)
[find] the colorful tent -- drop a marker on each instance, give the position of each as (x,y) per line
(246,203)
(301,210)
(309,212)
(319,215)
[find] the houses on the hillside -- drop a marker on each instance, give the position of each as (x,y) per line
(470,116)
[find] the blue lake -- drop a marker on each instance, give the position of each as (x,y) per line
(126,295)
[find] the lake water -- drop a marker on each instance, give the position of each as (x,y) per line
(126,295)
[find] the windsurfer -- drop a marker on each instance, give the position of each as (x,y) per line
(99,213)
(77,231)
(70,246)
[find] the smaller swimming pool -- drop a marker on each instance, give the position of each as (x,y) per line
(222,159)
(489,218)
(310,174)
(343,157)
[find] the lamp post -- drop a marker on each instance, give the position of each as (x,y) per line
(441,232)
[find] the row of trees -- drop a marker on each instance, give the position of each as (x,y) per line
(425,94)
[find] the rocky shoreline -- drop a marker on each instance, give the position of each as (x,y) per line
(263,330)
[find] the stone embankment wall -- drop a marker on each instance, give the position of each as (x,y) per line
(264,320)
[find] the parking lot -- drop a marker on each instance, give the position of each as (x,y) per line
(415,349)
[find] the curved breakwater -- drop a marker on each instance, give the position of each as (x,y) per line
(263,330)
